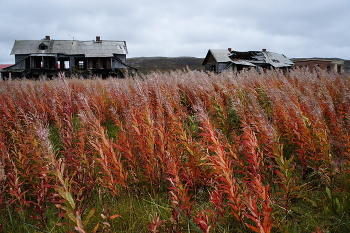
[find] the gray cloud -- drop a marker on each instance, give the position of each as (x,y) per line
(185,28)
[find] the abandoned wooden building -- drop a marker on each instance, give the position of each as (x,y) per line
(218,60)
(34,58)
(316,64)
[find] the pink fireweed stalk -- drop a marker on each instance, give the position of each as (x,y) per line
(179,192)
(257,193)
(202,220)
(222,167)
(108,157)
(71,206)
(155,224)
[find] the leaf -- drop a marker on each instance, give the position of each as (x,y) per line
(91,213)
(79,230)
(71,216)
(328,191)
(339,206)
(107,224)
(80,192)
(253,228)
(61,191)
(96,227)
(114,216)
(70,200)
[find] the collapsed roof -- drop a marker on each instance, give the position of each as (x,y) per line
(263,58)
(249,58)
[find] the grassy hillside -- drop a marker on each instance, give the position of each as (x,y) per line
(165,64)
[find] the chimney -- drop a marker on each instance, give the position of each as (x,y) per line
(47,37)
(264,50)
(230,50)
(98,39)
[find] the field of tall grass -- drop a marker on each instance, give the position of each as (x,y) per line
(176,152)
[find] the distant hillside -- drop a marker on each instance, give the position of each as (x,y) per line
(165,64)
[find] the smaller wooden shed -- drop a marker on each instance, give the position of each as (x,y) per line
(218,60)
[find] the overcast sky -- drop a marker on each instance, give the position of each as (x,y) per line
(295,28)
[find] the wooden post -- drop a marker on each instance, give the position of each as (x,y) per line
(71,63)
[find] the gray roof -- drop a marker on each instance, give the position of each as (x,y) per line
(239,62)
(103,48)
(276,59)
(250,58)
(242,62)
(220,55)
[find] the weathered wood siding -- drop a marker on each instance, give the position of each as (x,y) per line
(122,57)
(20,57)
(116,64)
(21,65)
(221,66)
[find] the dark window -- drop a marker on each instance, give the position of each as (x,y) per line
(339,68)
(43,46)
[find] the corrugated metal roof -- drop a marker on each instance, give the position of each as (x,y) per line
(103,48)
(250,58)
(238,62)
(3,66)
(264,57)
(242,62)
(276,59)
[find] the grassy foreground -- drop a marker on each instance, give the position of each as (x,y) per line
(177,152)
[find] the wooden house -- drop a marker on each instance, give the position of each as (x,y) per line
(218,60)
(47,57)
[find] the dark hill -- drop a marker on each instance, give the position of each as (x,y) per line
(347,65)
(165,64)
